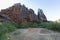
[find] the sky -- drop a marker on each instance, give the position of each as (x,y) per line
(51,8)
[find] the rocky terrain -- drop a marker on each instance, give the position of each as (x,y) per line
(20,13)
(34,34)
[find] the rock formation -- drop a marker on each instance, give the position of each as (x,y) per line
(41,16)
(20,14)
(4,18)
(32,16)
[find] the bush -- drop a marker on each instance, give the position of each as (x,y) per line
(3,37)
(6,27)
(27,25)
(56,26)
(24,25)
(49,25)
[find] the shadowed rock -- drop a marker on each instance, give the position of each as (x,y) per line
(4,18)
(32,16)
(41,16)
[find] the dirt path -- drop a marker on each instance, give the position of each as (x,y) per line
(34,34)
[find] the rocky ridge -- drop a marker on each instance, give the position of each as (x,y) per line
(20,14)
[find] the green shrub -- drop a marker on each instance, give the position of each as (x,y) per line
(3,37)
(34,25)
(24,25)
(42,25)
(27,25)
(6,27)
(49,25)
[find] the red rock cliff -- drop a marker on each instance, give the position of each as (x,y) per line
(20,14)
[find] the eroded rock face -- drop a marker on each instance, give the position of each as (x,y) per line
(20,14)
(4,18)
(32,16)
(41,16)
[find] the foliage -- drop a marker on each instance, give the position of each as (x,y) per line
(49,25)
(53,26)
(24,25)
(6,27)
(3,37)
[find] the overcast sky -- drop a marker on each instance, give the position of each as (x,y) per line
(51,8)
